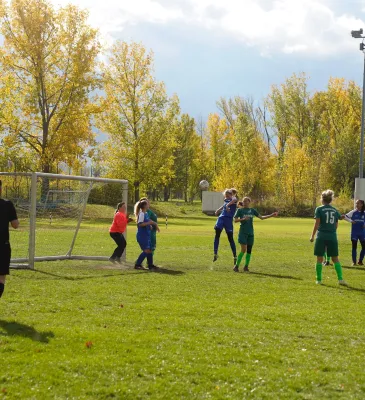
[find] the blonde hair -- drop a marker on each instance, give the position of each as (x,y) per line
(227,191)
(246,198)
(327,196)
(234,191)
(135,211)
(138,206)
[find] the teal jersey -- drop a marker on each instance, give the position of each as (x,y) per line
(247,225)
(328,217)
(153,217)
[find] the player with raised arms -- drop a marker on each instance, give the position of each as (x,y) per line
(144,235)
(225,221)
(326,222)
(356,218)
(245,215)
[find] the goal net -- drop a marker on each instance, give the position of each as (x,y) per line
(62,217)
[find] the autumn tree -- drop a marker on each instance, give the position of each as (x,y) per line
(47,66)
(138,116)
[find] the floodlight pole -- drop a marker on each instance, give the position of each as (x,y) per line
(360,181)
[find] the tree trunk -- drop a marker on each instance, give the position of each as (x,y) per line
(45,182)
(136,191)
(166,193)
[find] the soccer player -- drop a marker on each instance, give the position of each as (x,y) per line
(356,218)
(326,224)
(153,217)
(144,235)
(245,216)
(119,225)
(225,221)
(7,215)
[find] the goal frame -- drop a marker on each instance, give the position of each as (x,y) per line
(29,262)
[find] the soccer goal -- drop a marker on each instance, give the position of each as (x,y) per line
(62,217)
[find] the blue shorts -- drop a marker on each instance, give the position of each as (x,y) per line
(358,236)
(224,222)
(144,241)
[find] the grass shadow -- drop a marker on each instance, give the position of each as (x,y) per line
(13,328)
(349,287)
(73,278)
(275,276)
(169,271)
(356,268)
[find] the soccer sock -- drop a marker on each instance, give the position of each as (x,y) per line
(248,258)
(140,259)
(338,271)
(354,256)
(319,272)
(2,287)
(149,260)
(362,254)
(239,259)
(216,244)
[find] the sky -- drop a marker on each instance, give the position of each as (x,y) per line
(207,49)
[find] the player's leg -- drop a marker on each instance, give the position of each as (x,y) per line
(250,242)
(143,244)
(121,243)
(228,226)
(218,230)
(242,240)
(362,252)
(354,250)
(319,249)
(153,241)
(5,256)
(333,252)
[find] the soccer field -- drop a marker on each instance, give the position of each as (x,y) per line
(197,330)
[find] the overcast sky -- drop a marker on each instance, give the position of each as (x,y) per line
(205,49)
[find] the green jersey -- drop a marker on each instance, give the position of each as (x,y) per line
(153,217)
(247,225)
(328,217)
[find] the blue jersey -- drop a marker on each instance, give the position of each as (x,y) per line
(232,209)
(357,229)
(143,230)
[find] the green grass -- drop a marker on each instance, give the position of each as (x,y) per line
(195,331)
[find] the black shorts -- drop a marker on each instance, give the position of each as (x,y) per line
(5,255)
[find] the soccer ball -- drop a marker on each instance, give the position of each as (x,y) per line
(204,185)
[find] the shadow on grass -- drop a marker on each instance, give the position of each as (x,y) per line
(14,328)
(168,271)
(356,268)
(73,278)
(276,276)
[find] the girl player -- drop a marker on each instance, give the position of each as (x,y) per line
(144,235)
(356,218)
(245,216)
(326,224)
(119,225)
(224,221)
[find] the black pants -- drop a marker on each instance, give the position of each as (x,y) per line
(5,255)
(121,243)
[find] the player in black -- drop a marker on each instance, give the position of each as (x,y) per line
(7,214)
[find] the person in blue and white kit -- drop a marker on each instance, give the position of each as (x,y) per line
(144,235)
(357,218)
(225,221)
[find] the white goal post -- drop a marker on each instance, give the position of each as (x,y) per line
(51,210)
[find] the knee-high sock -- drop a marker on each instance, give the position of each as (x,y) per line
(232,243)
(216,240)
(239,259)
(319,272)
(248,258)
(141,258)
(354,252)
(338,271)
(362,252)
(149,260)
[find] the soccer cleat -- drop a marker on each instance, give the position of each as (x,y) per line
(215,258)
(113,260)
(139,267)
(354,264)
(245,269)
(153,268)
(235,269)
(342,283)
(318,282)
(118,260)
(327,263)
(360,263)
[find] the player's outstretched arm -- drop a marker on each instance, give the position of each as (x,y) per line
(219,210)
(275,214)
(346,218)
